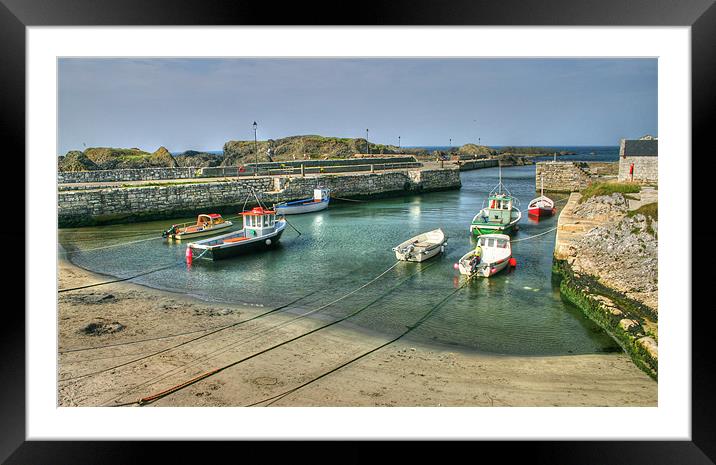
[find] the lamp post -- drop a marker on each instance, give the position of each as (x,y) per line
(256,151)
(450,143)
(367,145)
(398,144)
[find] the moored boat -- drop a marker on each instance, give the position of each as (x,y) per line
(501,214)
(542,205)
(262,230)
(421,247)
(211,223)
(492,254)
(319,201)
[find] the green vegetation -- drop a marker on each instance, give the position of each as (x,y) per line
(608,188)
(581,292)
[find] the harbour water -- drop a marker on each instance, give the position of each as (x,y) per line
(342,248)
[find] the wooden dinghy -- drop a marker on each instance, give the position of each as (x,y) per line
(492,255)
(421,247)
(206,224)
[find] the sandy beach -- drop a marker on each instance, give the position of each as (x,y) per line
(163,339)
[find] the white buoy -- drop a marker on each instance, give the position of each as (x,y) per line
(268,241)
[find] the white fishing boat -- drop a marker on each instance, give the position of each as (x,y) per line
(318,202)
(262,230)
(492,255)
(542,205)
(422,247)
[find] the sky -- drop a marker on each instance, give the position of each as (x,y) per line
(200,103)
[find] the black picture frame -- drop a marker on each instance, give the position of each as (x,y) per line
(16,15)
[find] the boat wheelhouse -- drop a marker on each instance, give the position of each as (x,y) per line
(262,230)
(206,224)
(501,214)
(319,201)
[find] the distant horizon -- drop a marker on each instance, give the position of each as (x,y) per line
(200,103)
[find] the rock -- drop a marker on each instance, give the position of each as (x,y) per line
(107,158)
(100,328)
(76,161)
(650,345)
(629,325)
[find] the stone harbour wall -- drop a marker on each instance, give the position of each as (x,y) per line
(572,176)
(646,169)
(138,203)
(139,174)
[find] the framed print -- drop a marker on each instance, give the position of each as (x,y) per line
(413,223)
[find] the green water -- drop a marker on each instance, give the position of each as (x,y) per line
(349,244)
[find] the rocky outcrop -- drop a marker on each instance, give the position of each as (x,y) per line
(198,159)
(474,150)
(299,148)
(76,161)
(606,255)
(108,158)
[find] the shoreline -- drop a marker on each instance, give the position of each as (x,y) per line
(401,374)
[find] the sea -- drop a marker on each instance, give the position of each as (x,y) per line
(341,249)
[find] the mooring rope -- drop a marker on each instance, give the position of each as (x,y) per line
(111,246)
(171,390)
(410,329)
(348,200)
(536,235)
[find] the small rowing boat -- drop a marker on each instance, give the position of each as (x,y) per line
(542,205)
(422,247)
(492,255)
(262,230)
(206,224)
(319,201)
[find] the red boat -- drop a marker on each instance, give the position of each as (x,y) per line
(542,205)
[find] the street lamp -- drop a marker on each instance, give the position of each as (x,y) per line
(398,144)
(367,145)
(256,151)
(450,144)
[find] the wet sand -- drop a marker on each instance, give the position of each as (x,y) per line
(400,374)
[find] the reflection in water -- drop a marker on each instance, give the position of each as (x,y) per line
(350,243)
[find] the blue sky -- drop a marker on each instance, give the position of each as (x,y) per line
(201,103)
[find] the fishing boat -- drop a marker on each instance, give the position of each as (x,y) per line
(211,223)
(262,230)
(542,205)
(421,247)
(500,215)
(319,201)
(492,255)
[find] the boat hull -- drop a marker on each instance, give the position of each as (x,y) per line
(307,207)
(478,228)
(420,256)
(541,212)
(484,270)
(245,248)
(206,232)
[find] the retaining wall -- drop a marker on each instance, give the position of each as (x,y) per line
(125,204)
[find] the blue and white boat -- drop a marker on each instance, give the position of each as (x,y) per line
(319,201)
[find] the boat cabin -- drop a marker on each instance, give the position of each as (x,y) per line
(211,218)
(320,195)
(492,242)
(499,208)
(259,221)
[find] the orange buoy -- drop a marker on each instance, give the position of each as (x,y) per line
(189,256)
(513,262)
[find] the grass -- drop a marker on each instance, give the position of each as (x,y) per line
(608,188)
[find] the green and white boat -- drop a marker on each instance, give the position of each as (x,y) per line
(500,215)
